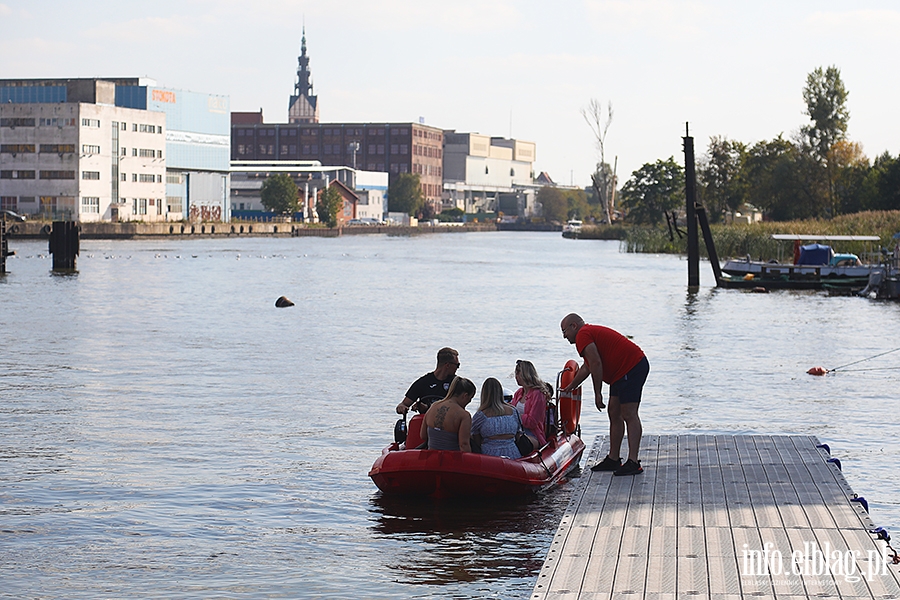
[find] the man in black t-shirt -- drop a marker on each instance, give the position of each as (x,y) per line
(432,386)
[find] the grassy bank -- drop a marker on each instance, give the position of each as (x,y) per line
(756,239)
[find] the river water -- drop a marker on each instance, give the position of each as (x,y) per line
(165,431)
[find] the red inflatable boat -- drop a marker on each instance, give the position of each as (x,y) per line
(443,473)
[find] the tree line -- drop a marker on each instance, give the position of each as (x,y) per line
(815,173)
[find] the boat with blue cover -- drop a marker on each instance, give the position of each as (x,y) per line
(815,266)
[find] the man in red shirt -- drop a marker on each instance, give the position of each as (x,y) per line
(611,357)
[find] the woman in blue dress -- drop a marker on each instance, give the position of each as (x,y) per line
(496,422)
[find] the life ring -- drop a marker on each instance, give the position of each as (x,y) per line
(569,402)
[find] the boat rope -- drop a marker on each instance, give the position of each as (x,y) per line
(872,369)
(549,472)
(863,360)
(882,534)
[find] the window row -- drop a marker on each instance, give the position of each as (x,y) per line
(427,151)
(16,174)
(57,148)
(428,170)
(142,152)
(44,148)
(139,206)
(86,122)
(313,149)
(44,122)
(17,122)
(337,132)
(428,135)
(57,174)
(90,204)
(431,189)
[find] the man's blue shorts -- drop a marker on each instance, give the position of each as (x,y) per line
(629,388)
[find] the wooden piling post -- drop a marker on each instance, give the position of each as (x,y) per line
(64,244)
(4,245)
(690,193)
(710,245)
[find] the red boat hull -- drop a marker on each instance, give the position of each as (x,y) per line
(441,473)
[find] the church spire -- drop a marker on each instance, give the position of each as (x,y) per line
(303,87)
(303,107)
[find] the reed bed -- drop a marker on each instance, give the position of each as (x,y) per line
(755,239)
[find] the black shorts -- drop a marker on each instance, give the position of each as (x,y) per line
(628,389)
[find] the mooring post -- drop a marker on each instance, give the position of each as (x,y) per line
(4,245)
(690,196)
(710,245)
(64,244)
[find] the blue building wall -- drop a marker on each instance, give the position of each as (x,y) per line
(131,97)
(32,94)
(206,116)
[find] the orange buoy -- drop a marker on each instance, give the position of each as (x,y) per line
(817,371)
(569,402)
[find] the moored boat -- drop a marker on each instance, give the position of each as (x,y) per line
(814,266)
(402,470)
(572,228)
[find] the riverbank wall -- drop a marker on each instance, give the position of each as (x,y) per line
(125,231)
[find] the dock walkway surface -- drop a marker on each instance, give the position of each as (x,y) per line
(718,517)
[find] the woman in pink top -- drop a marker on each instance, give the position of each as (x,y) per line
(533,396)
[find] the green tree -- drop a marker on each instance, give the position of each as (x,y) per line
(826,105)
(451,214)
(405,194)
(279,194)
(563,204)
(329,205)
(652,190)
(883,184)
(849,176)
(553,203)
(721,184)
(770,169)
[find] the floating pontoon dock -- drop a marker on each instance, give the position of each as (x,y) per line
(719,517)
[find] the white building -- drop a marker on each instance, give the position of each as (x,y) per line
(488,173)
(112,143)
(247,178)
(83,161)
(371,187)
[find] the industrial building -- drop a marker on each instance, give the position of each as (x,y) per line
(310,177)
(113,149)
(493,174)
(391,148)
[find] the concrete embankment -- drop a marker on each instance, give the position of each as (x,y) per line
(112,231)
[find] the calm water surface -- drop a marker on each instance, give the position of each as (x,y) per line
(166,432)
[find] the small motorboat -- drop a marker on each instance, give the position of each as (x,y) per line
(406,469)
(814,266)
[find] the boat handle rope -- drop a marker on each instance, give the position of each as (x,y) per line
(541,458)
(882,534)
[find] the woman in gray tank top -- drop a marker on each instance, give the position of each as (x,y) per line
(447,424)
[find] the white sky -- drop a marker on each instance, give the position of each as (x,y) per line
(498,67)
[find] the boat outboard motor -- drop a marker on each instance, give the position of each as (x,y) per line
(400,430)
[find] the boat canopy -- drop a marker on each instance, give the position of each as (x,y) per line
(825,238)
(815,254)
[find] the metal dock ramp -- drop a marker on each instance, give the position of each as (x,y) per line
(718,517)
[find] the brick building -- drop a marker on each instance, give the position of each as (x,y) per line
(391,148)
